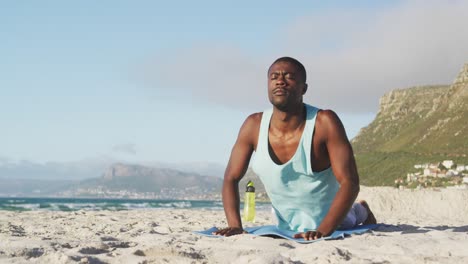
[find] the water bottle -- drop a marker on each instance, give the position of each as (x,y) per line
(249,203)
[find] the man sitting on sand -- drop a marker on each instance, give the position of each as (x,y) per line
(302,156)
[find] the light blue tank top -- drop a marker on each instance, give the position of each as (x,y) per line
(300,197)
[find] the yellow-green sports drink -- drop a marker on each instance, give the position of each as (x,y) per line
(249,203)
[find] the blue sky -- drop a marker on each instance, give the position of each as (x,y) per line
(172,81)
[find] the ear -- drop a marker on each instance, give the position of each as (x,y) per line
(305,88)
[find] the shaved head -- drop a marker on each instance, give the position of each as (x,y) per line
(300,68)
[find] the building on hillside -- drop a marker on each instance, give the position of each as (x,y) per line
(452,173)
(410,177)
(433,165)
(448,163)
(460,167)
(465,180)
(421,166)
(431,172)
(434,173)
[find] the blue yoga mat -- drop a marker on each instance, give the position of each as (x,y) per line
(271,230)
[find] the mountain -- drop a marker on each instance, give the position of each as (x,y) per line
(260,191)
(124,180)
(118,181)
(414,125)
(91,167)
(203,168)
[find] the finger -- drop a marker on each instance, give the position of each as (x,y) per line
(216,232)
(318,235)
(299,235)
(303,235)
(235,231)
(221,232)
(226,232)
(312,235)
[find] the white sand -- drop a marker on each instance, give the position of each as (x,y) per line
(427,226)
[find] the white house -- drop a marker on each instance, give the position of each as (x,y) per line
(411,177)
(447,163)
(452,173)
(427,172)
(432,173)
(460,167)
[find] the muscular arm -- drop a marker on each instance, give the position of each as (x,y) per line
(236,168)
(343,166)
(331,133)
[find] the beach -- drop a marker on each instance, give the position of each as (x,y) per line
(420,226)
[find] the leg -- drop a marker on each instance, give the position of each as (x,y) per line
(370,218)
(349,221)
(359,213)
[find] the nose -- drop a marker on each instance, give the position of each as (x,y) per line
(280,81)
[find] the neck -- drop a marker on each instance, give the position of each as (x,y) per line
(289,120)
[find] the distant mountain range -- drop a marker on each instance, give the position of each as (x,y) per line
(91,168)
(138,179)
(121,181)
(102,178)
(413,126)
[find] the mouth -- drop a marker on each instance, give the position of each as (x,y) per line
(280,92)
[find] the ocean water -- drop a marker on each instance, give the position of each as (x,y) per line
(96,204)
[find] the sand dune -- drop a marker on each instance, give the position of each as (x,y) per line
(425,226)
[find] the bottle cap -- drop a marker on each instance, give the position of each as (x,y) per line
(250,187)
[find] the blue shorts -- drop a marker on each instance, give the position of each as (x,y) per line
(356,215)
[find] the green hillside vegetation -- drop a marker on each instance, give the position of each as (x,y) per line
(382,168)
(415,125)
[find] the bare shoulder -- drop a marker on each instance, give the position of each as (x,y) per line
(252,122)
(250,129)
(327,118)
(329,124)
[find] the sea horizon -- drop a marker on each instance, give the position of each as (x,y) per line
(110,204)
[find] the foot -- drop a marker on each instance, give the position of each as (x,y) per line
(370,216)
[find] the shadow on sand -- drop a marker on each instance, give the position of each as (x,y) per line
(411,229)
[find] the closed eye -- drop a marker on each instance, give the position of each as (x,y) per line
(290,76)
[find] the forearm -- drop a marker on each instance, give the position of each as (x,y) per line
(231,203)
(340,206)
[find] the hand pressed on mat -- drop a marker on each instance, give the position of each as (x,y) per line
(309,235)
(230,231)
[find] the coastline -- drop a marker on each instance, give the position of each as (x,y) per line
(422,226)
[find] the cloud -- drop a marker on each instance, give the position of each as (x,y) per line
(353,57)
(415,44)
(220,74)
(125,148)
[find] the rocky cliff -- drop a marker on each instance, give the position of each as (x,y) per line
(426,122)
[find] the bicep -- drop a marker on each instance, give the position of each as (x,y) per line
(241,152)
(340,151)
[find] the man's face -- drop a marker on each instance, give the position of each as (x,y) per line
(286,86)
